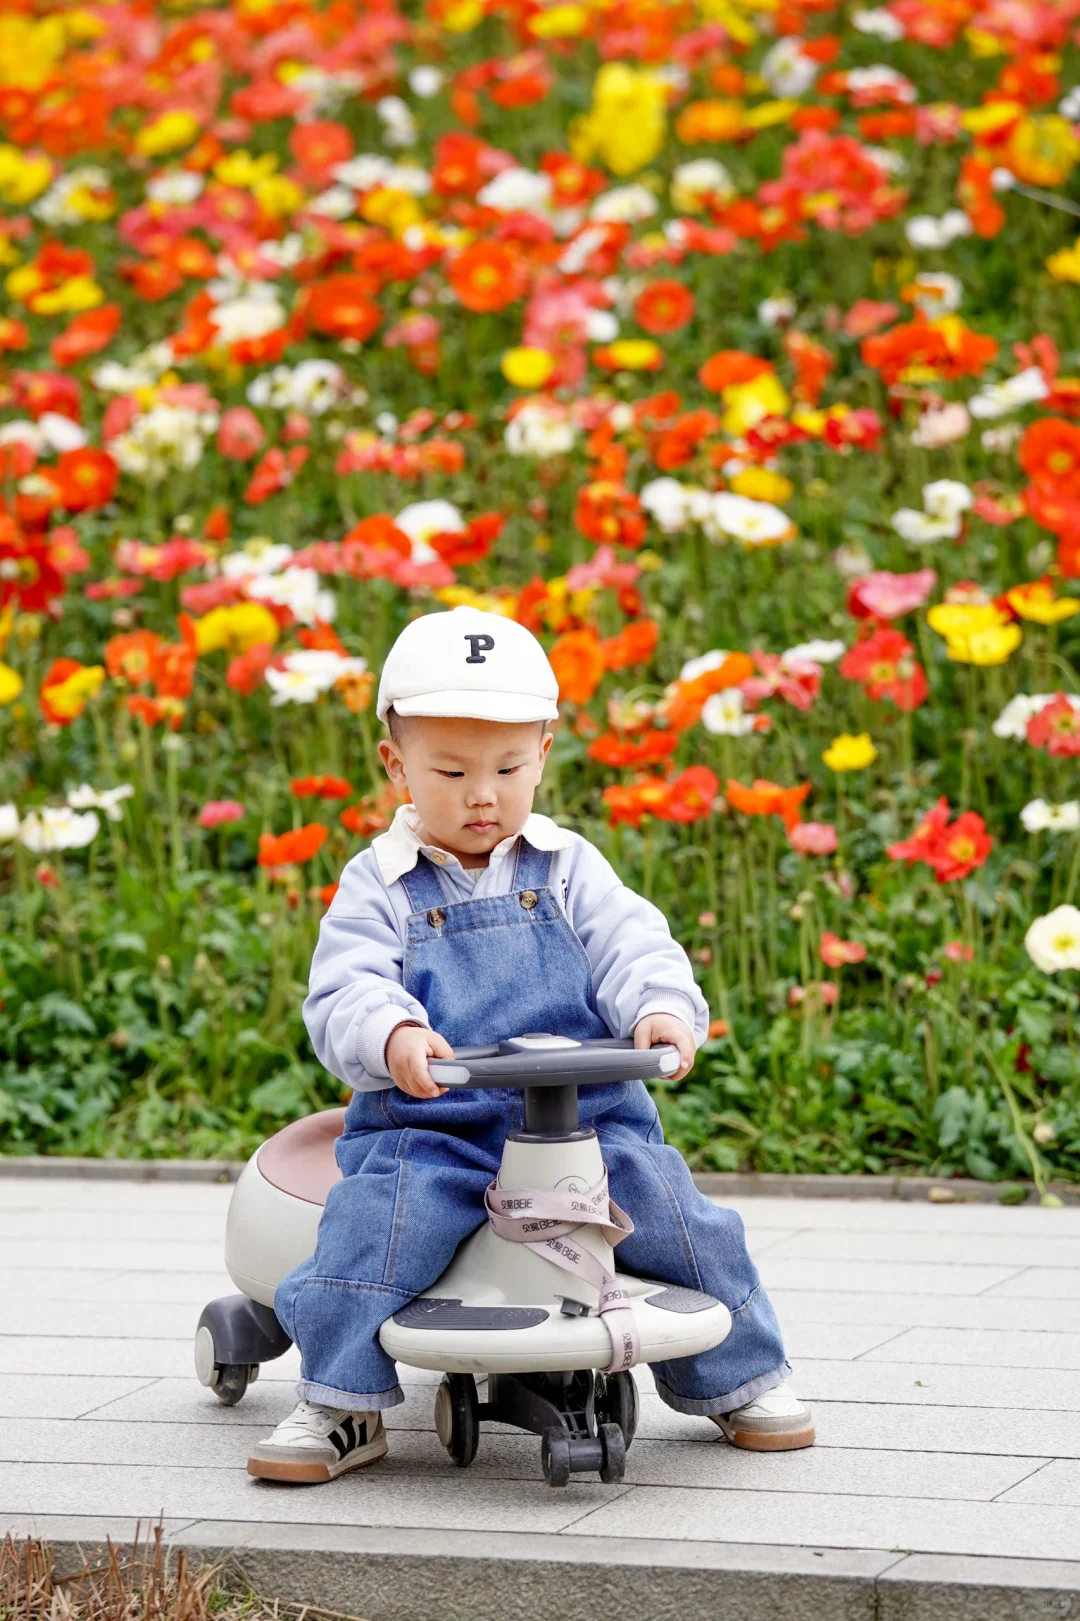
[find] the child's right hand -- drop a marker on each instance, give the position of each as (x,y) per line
(407,1052)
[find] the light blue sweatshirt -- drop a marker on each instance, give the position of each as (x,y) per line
(356,998)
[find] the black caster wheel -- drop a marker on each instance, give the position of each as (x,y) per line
(613,1467)
(555,1456)
(457,1421)
(232,1381)
(616,1402)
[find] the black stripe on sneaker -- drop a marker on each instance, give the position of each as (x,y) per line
(343,1439)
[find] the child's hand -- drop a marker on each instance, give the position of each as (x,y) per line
(659,1028)
(407,1052)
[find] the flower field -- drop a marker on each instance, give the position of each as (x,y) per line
(733,346)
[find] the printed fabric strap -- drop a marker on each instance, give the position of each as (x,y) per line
(522,1215)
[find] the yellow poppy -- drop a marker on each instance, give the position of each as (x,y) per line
(848,753)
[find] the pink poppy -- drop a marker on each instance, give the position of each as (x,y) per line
(813,838)
(216,812)
(241,435)
(882,595)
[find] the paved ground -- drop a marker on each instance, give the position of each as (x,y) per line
(938,1344)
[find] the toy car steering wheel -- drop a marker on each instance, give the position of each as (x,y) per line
(541,1060)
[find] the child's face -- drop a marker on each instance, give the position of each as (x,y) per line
(472,781)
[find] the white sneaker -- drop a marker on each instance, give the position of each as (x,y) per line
(774,1422)
(317,1443)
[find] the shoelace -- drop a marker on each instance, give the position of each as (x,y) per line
(544,1219)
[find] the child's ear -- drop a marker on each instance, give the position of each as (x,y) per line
(545,746)
(393,763)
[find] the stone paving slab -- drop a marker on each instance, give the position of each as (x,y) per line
(937,1342)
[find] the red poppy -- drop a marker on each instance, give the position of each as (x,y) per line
(612,750)
(664,306)
(28,574)
(320,146)
(924,837)
(1056,728)
(323,787)
(86,335)
(960,848)
(691,795)
(1050,456)
(84,479)
(885,665)
(471,544)
(247,671)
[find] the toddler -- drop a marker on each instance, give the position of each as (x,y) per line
(469,921)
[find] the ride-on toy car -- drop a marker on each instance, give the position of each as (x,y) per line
(531,1300)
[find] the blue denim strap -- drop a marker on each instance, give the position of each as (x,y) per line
(532,867)
(423,887)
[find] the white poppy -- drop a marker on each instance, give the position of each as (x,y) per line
(947,498)
(703,664)
(1012,394)
(752,523)
(1039,817)
(1013,720)
(309,673)
(425,81)
(9,823)
(516,191)
(542,428)
(787,70)
(920,529)
(57,827)
(103,799)
(880,23)
(724,714)
(625,205)
(673,506)
(297,589)
(1053,941)
(816,652)
(924,231)
(257,557)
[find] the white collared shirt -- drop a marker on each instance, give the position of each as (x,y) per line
(356,998)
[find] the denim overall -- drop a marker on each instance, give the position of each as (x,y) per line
(414,1170)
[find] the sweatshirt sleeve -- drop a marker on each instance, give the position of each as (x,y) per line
(637,968)
(355,995)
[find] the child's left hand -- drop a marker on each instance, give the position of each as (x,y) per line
(658,1028)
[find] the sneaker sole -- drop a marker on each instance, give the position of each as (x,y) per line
(767,1440)
(314,1473)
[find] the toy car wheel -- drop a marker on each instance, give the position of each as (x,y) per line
(616,1402)
(232,1381)
(457,1420)
(555,1456)
(613,1467)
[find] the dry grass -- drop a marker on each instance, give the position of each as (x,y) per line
(143,1582)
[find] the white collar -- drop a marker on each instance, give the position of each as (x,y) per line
(397,850)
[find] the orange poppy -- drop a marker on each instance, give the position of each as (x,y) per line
(610,514)
(488,276)
(342,307)
(765,798)
(289,849)
(633,645)
(730,368)
(685,700)
(130,657)
(578,661)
